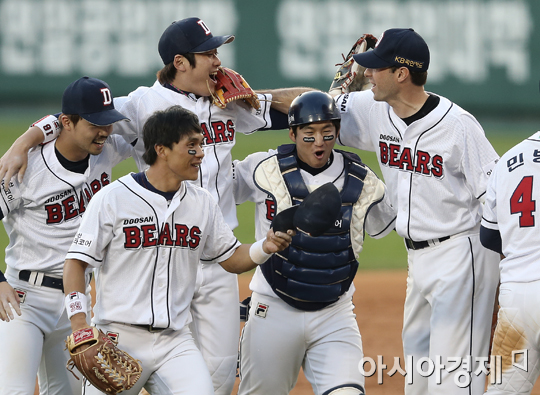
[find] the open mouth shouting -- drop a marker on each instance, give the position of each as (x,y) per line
(319,154)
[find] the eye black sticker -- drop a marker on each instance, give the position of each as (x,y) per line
(192,152)
(328,138)
(309,139)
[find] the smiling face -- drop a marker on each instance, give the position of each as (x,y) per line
(201,79)
(185,157)
(314,142)
(78,140)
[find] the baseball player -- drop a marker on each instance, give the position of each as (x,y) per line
(41,215)
(189,51)
(509,227)
(145,235)
(436,161)
(309,285)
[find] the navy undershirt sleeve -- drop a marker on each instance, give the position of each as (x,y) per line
(2,278)
(491,239)
(279,120)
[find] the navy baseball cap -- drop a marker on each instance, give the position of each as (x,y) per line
(397,47)
(190,35)
(92,100)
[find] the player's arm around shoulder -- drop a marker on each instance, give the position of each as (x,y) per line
(283,97)
(15,160)
(244,187)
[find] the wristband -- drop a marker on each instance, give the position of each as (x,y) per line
(257,254)
(75,303)
(50,126)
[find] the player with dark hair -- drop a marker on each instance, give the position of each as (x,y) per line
(41,215)
(188,50)
(510,227)
(145,236)
(436,161)
(301,311)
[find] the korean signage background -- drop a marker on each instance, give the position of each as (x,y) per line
(483,52)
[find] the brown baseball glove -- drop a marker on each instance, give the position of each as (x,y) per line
(104,365)
(350,75)
(232,86)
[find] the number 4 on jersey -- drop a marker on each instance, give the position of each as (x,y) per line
(522,202)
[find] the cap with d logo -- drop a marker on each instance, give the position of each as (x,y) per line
(92,100)
(190,35)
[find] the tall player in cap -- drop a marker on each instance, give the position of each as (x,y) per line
(145,235)
(510,227)
(301,311)
(189,51)
(41,215)
(436,162)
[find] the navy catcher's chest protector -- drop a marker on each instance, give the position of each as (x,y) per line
(313,272)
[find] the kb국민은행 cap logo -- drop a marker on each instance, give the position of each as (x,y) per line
(397,47)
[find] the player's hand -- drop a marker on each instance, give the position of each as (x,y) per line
(8,300)
(277,241)
(14,161)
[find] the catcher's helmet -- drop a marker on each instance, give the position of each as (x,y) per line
(312,106)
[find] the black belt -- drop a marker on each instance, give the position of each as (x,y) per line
(418,245)
(47,281)
(149,328)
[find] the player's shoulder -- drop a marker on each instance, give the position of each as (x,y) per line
(451,109)
(348,102)
(38,158)
(257,157)
(201,195)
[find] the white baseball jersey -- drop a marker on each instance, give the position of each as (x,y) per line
(219,127)
(436,169)
(378,222)
(42,213)
(511,208)
(146,252)
(41,216)
(215,319)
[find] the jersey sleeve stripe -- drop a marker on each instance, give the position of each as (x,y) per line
(86,256)
(235,245)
